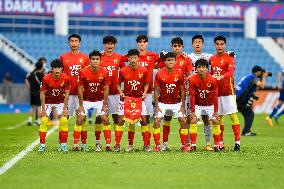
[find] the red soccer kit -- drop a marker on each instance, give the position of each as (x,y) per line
(93,83)
(169,84)
(203,91)
(72,64)
(224,65)
(182,63)
(112,63)
(55,88)
(134,80)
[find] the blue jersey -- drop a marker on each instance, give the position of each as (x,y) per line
(247,86)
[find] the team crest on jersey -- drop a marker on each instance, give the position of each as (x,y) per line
(148,58)
(176,78)
(101,77)
(140,74)
(208,84)
(133,104)
(181,62)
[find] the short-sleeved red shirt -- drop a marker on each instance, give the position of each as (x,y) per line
(134,80)
(169,84)
(93,83)
(72,64)
(55,88)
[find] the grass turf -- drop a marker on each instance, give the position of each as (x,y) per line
(259,164)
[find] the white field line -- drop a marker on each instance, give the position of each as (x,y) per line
(18,125)
(8,165)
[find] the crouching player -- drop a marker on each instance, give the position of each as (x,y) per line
(203,92)
(54,93)
(93,90)
(170,85)
(135,80)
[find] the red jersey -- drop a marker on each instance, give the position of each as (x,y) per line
(224,65)
(55,88)
(182,63)
(72,64)
(134,80)
(93,83)
(203,91)
(112,63)
(169,84)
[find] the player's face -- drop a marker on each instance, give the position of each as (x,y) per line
(56,72)
(109,47)
(201,70)
(95,61)
(170,63)
(74,43)
(220,46)
(142,45)
(177,48)
(197,45)
(133,60)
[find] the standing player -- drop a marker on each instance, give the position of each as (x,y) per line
(135,80)
(148,60)
(170,84)
(184,64)
(54,92)
(222,68)
(73,62)
(203,98)
(93,93)
(112,61)
(197,45)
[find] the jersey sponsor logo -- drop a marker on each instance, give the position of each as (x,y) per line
(94,87)
(170,88)
(202,93)
(110,69)
(75,70)
(133,84)
(55,92)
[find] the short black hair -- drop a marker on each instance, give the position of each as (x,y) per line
(42,59)
(57,63)
(169,55)
(257,68)
(221,38)
(95,53)
(132,52)
(197,37)
(39,65)
(109,39)
(74,35)
(141,37)
(201,62)
(177,40)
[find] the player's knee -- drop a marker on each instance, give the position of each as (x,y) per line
(182,122)
(234,118)
(63,123)
(80,120)
(43,125)
(105,120)
(215,122)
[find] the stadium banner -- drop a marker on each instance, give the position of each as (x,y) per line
(138,8)
(267,100)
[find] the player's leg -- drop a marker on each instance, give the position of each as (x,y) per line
(149,110)
(193,127)
(145,128)
(131,135)
(30,118)
(43,128)
(274,111)
(107,130)
(98,131)
(157,128)
(112,103)
(166,132)
(207,132)
(80,120)
(119,128)
(183,133)
(63,127)
(248,117)
(236,129)
(216,133)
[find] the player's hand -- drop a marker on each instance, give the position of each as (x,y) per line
(219,77)
(184,54)
(80,110)
(231,53)
(122,96)
(182,110)
(157,110)
(143,95)
(216,115)
(105,110)
(162,54)
(103,52)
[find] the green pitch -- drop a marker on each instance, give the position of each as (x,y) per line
(260,164)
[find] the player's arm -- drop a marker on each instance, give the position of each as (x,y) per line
(80,98)
(106,93)
(261,83)
(146,87)
(192,95)
(182,90)
(156,99)
(215,99)
(231,69)
(66,97)
(120,79)
(279,86)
